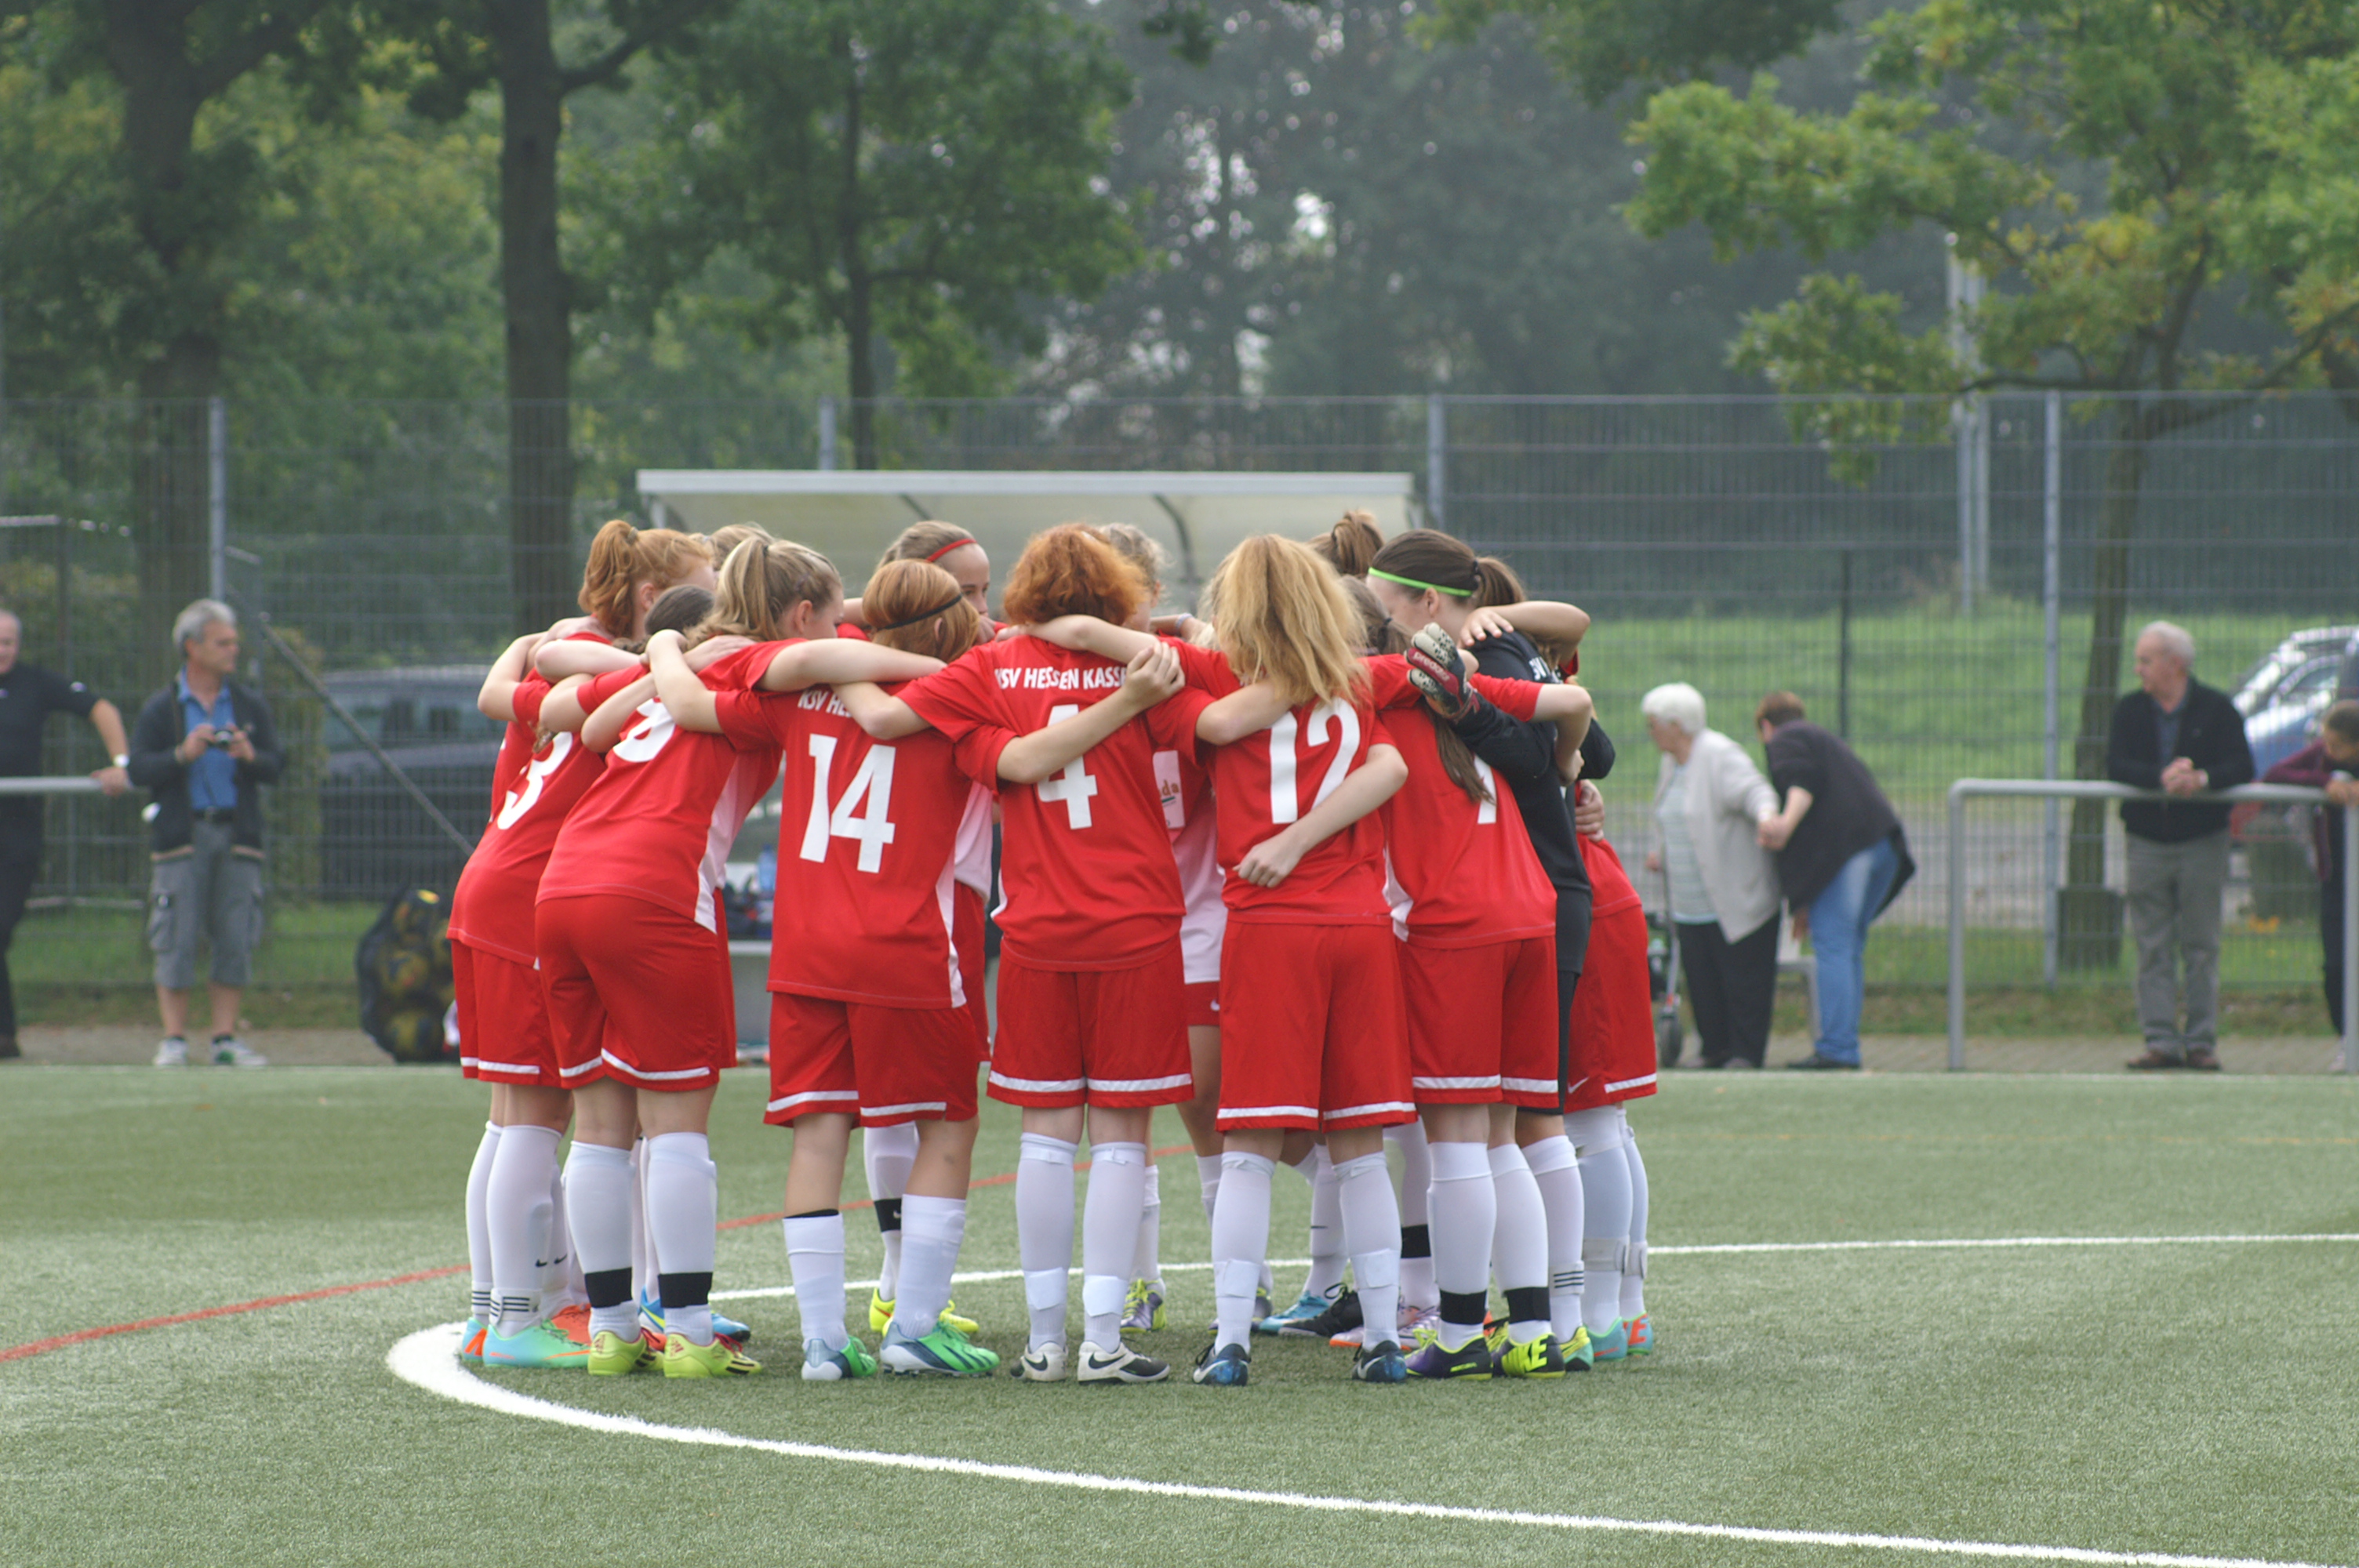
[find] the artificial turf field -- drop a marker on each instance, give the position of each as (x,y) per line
(2192,1399)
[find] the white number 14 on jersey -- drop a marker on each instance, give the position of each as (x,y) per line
(873,783)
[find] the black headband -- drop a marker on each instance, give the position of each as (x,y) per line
(925,616)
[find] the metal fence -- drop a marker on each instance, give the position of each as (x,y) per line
(1928,579)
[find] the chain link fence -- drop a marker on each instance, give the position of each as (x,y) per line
(1930,578)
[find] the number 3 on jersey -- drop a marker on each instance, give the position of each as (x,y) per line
(1074,784)
(871,828)
(1285,802)
(536,777)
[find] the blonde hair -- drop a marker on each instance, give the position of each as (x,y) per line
(622,557)
(727,538)
(761,582)
(942,623)
(1133,545)
(1285,620)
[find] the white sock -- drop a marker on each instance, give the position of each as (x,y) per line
(1240,1241)
(885,1155)
(1416,1286)
(1465,1213)
(1148,1264)
(815,1259)
(561,1280)
(1110,1221)
(1519,1244)
(682,1209)
(598,1205)
(643,1249)
(1044,1231)
(1558,1175)
(1605,1186)
(478,1233)
(933,1230)
(1634,1271)
(518,1208)
(1328,1254)
(1364,1191)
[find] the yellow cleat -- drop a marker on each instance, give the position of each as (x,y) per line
(880,1316)
(612,1356)
(683,1357)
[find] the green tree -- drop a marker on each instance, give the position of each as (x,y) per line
(1604,46)
(2195,124)
(913,177)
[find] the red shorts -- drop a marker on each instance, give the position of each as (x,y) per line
(1483,1023)
(1109,1037)
(966,938)
(885,1065)
(1201,1003)
(503,1034)
(1311,1030)
(636,993)
(1612,1024)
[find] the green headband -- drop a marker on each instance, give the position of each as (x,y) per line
(1412,582)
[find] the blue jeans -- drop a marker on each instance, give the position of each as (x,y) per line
(1839,921)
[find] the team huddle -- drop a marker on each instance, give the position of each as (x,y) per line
(1322,870)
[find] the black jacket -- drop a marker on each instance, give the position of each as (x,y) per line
(161,728)
(1522,754)
(2211,736)
(1848,812)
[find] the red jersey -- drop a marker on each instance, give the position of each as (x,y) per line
(534,786)
(659,822)
(869,851)
(1086,875)
(1187,814)
(1611,885)
(1462,871)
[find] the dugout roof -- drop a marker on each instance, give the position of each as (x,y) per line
(850,516)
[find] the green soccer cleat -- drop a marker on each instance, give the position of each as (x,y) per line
(1642,1335)
(683,1357)
(1613,1345)
(1143,1309)
(612,1356)
(471,1340)
(1578,1354)
(1471,1360)
(542,1344)
(822,1365)
(944,1353)
(880,1316)
(1539,1357)
(1307,1306)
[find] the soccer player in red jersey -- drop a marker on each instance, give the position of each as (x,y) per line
(949,546)
(633,960)
(516,1230)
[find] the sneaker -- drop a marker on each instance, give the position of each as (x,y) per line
(1641,1333)
(1579,1354)
(1612,1345)
(1539,1357)
(1307,1306)
(1342,1316)
(229,1051)
(573,1322)
(1380,1363)
(172,1053)
(2203,1059)
(1225,1366)
(822,1365)
(683,1357)
(471,1340)
(944,1353)
(1120,1365)
(1416,1319)
(1046,1365)
(1814,1063)
(651,1319)
(612,1356)
(541,1343)
(2155,1060)
(1143,1309)
(880,1316)
(1471,1359)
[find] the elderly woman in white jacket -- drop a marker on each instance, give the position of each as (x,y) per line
(1710,802)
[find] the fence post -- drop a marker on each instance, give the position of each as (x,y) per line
(216,497)
(1437,459)
(1843,653)
(2051,603)
(826,434)
(1969,424)
(2350,939)
(1958,924)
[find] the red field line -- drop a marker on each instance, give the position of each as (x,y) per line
(81,1335)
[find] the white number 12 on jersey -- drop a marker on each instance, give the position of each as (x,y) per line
(1074,784)
(873,781)
(1283,803)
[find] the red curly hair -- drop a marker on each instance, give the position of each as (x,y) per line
(1071,570)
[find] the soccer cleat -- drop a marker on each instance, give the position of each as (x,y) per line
(1143,1309)
(1225,1366)
(612,1356)
(1262,1310)
(471,1340)
(1539,1357)
(229,1051)
(573,1322)
(880,1316)
(1613,1345)
(1380,1363)
(1046,1365)
(541,1343)
(1120,1365)
(944,1353)
(651,1319)
(1642,1335)
(1307,1306)
(1342,1316)
(822,1365)
(683,1357)
(172,1053)
(1416,1319)
(1471,1359)
(1580,1355)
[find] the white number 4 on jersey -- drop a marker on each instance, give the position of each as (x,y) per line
(1074,784)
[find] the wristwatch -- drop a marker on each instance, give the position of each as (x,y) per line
(120,760)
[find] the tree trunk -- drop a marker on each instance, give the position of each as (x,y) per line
(859,287)
(538,295)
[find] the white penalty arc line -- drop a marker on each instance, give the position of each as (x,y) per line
(427,1359)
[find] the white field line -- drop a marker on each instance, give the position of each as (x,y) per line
(428,1360)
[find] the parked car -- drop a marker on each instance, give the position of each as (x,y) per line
(376,840)
(2282,696)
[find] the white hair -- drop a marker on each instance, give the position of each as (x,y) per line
(1677,704)
(2177,641)
(190,623)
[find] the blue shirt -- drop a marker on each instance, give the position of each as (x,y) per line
(212,777)
(2166,727)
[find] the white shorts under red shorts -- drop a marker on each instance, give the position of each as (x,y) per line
(884,1064)
(1311,1027)
(1109,1037)
(1202,1000)
(967,937)
(1483,1023)
(503,1034)
(1612,1023)
(636,993)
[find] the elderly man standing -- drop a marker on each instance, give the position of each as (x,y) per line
(28,695)
(204,746)
(2176,734)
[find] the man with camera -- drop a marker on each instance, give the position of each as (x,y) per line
(202,747)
